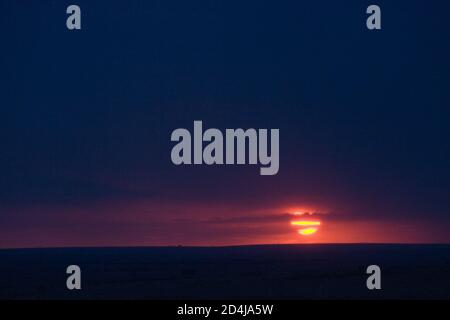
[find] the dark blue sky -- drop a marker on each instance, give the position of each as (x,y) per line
(86,116)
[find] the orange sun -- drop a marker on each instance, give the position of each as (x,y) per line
(307,227)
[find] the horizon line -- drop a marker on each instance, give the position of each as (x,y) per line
(230,246)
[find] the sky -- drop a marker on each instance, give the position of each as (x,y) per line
(86,119)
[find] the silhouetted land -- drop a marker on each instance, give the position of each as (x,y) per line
(266,271)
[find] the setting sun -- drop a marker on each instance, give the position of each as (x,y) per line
(305,222)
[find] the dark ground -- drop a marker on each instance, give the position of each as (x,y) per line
(267,271)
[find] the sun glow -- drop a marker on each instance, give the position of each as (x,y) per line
(307,231)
